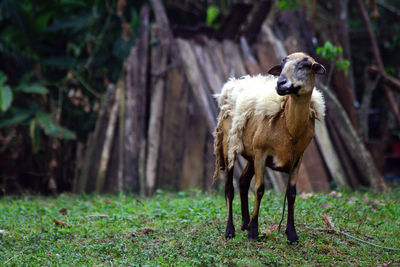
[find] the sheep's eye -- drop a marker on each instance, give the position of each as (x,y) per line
(303,66)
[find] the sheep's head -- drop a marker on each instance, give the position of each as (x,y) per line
(296,74)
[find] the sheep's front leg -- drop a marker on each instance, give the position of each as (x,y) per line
(291,198)
(244,183)
(259,166)
(229,194)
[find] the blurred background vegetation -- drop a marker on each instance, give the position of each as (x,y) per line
(58,57)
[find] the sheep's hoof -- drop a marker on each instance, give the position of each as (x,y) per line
(230,232)
(292,236)
(245,226)
(253,233)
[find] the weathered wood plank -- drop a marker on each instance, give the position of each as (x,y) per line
(136,99)
(159,57)
(315,168)
(209,164)
(233,59)
(94,145)
(195,141)
(205,64)
(329,155)
(217,58)
(108,141)
(357,150)
(349,168)
(173,129)
(276,180)
(304,184)
(250,62)
(266,57)
(197,83)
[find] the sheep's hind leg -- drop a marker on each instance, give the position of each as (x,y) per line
(244,182)
(259,165)
(229,194)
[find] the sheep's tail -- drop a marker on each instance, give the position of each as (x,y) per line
(218,148)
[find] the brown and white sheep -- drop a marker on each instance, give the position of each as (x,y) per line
(270,122)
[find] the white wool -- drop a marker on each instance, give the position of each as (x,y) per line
(255,96)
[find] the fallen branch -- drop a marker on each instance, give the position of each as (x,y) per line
(329,224)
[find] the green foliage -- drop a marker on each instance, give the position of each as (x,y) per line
(332,53)
(343,65)
(32,89)
(288,4)
(51,128)
(34,117)
(6,96)
(49,49)
(187,229)
(329,51)
(212,14)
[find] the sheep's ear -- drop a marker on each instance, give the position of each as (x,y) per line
(318,68)
(275,70)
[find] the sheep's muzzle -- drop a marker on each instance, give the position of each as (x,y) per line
(286,90)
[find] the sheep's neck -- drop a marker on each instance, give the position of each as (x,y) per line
(297,114)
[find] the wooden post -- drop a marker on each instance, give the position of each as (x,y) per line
(105,154)
(173,129)
(329,155)
(198,85)
(357,150)
(159,56)
(136,116)
(250,62)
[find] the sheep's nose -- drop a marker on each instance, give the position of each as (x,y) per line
(282,81)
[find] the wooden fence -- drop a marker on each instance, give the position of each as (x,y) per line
(155,125)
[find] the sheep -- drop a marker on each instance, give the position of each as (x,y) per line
(268,128)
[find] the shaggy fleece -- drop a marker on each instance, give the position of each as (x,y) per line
(255,96)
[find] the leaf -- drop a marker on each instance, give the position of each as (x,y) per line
(287,4)
(99,215)
(6,97)
(63,211)
(328,221)
(3,78)
(60,223)
(212,14)
(60,62)
(17,118)
(32,88)
(73,23)
(53,129)
(35,135)
(143,231)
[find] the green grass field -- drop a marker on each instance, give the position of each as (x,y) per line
(187,228)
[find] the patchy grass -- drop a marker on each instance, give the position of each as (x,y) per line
(187,228)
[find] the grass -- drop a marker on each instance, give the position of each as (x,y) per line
(187,228)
